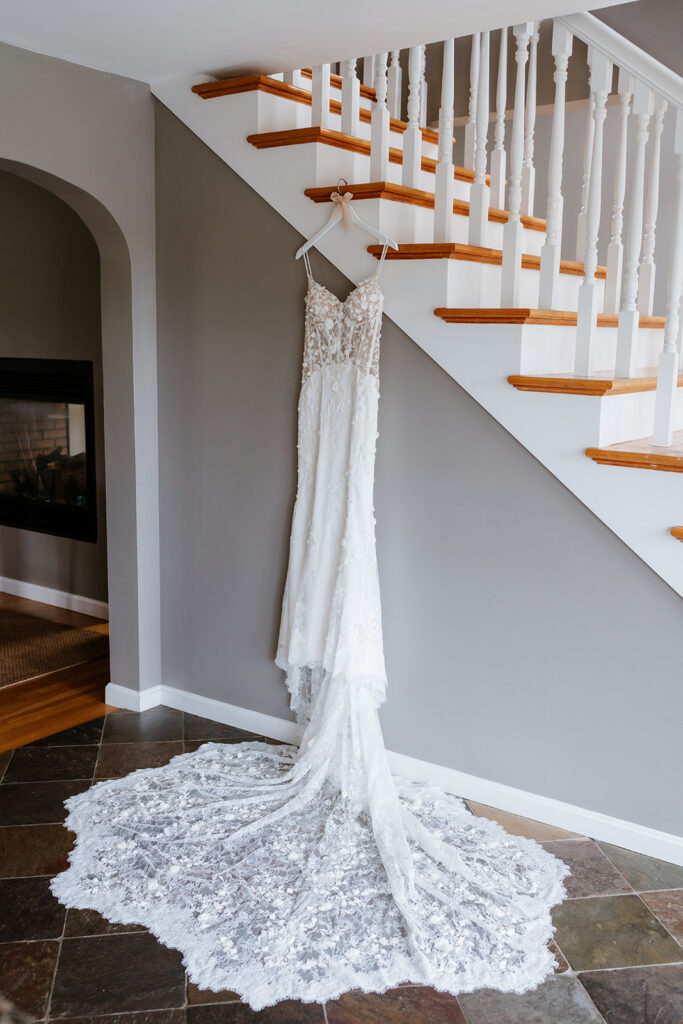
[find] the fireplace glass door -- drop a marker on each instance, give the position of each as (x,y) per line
(47,464)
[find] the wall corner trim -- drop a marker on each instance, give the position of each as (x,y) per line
(640,838)
(57,598)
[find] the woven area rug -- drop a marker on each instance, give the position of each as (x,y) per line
(30,646)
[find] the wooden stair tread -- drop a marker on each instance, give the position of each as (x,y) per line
(340,140)
(412,196)
(642,454)
(547,317)
(264,83)
(677,532)
(599,384)
(471,253)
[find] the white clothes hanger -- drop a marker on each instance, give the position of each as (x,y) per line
(344,212)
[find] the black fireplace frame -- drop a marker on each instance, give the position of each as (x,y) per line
(56,380)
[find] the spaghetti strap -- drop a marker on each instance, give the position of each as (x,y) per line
(381,259)
(307,264)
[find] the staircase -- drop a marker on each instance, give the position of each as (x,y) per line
(567,355)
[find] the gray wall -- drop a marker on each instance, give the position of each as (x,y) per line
(525,643)
(50,309)
(88,137)
(656,26)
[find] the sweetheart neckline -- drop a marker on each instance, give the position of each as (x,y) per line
(342,302)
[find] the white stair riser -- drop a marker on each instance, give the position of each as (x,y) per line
(472,284)
(625,417)
(551,349)
(279,114)
(469,284)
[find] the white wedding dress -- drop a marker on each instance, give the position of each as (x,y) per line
(302,873)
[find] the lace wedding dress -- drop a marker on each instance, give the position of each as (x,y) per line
(302,873)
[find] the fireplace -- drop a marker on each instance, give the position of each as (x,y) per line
(47,449)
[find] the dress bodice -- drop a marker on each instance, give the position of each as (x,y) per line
(345,331)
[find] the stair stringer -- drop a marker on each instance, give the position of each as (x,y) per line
(639,506)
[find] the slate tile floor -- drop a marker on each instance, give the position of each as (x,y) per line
(617,938)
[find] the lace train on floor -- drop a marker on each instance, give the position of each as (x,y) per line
(282,873)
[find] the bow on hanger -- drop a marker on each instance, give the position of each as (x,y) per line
(343,211)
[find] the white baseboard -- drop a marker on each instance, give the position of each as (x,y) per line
(628,834)
(133,700)
(58,598)
(205,707)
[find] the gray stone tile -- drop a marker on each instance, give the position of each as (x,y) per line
(644,873)
(612,931)
(26,972)
(561,964)
(5,758)
(142,1017)
(559,1000)
(29,910)
(516,825)
(119,759)
(667,906)
(288,1012)
(637,995)
(89,922)
(49,764)
(144,727)
(37,803)
(199,996)
(197,728)
(403,1005)
(27,850)
(592,873)
(108,974)
(88,733)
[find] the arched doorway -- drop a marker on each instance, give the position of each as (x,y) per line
(129,386)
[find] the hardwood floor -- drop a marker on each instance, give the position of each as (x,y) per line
(58,700)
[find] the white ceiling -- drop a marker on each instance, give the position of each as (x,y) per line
(156,39)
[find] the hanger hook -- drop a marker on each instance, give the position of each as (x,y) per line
(342,181)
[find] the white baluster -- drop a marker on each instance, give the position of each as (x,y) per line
(423,89)
(379,123)
(615,249)
(320,109)
(528,169)
(512,232)
(394,76)
(587,158)
(292,77)
(369,71)
(412,137)
(498,154)
(627,334)
(549,281)
(350,113)
(587,313)
(667,375)
(646,275)
(471,126)
(479,192)
(445,182)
